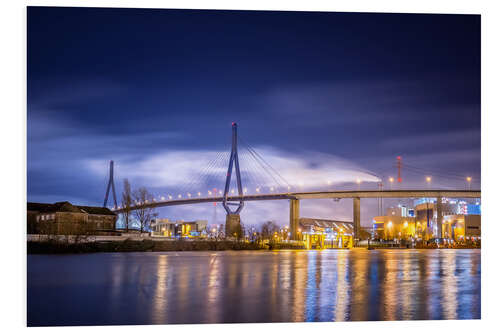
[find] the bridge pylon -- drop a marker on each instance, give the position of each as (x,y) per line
(111,184)
(233,226)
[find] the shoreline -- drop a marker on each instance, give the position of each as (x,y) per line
(58,247)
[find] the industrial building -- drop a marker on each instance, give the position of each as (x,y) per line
(180,228)
(461,221)
(320,233)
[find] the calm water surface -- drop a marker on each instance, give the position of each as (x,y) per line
(257,286)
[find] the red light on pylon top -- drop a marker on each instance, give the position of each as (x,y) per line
(233,123)
(399,157)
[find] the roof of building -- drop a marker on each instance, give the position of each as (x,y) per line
(97,210)
(65,206)
(322,223)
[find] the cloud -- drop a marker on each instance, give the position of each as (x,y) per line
(176,169)
(174,172)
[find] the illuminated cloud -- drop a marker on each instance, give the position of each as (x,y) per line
(193,170)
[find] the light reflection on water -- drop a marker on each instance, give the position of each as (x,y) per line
(261,286)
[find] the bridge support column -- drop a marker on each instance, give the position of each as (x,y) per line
(294,218)
(356,214)
(233,225)
(439,217)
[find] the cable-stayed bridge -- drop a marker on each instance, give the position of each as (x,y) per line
(276,188)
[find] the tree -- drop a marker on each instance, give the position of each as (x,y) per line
(144,214)
(126,202)
(252,232)
(268,229)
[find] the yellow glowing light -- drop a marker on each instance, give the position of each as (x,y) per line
(428,179)
(162,198)
(232,191)
(391,179)
(389,224)
(209,192)
(469,179)
(257,189)
(358,181)
(406,224)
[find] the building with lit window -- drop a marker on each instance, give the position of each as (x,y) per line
(457,215)
(180,228)
(320,233)
(398,223)
(461,221)
(64,218)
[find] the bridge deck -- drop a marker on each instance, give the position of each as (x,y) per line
(320,195)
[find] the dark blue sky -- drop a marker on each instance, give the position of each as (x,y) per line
(315,91)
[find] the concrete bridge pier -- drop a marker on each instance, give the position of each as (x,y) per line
(356,214)
(439,217)
(294,218)
(233,225)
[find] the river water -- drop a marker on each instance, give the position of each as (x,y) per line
(253,286)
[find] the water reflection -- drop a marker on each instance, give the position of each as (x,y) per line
(280,286)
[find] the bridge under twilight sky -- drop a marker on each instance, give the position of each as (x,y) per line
(326,98)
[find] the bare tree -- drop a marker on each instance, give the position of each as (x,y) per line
(126,202)
(268,229)
(144,214)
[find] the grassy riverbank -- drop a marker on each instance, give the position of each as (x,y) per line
(58,247)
